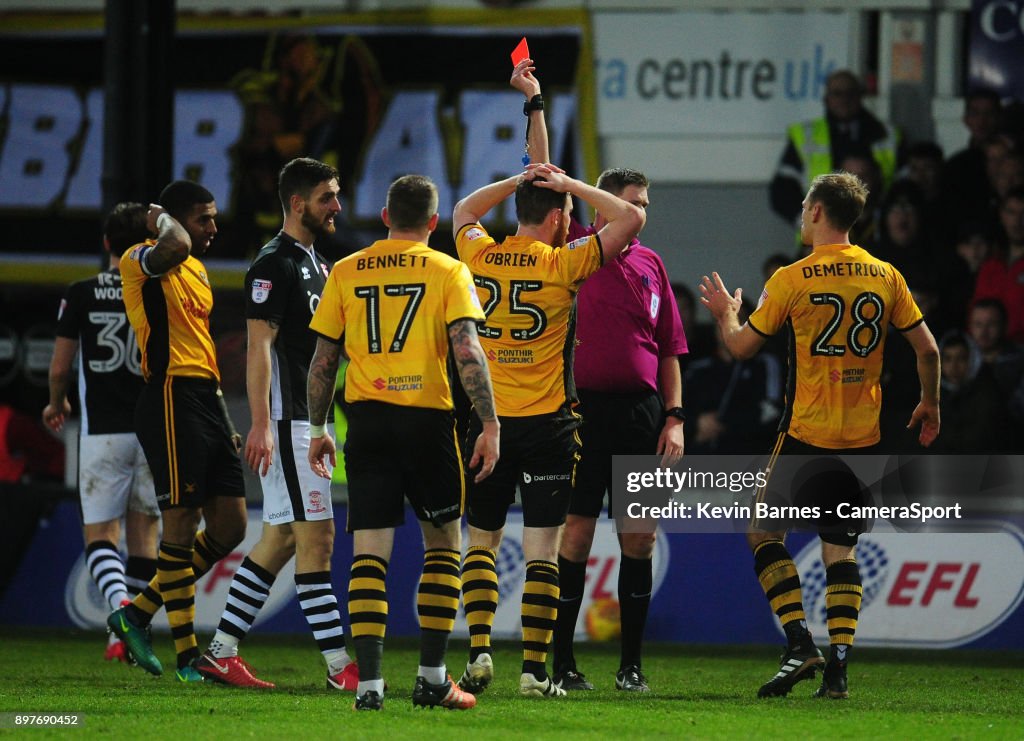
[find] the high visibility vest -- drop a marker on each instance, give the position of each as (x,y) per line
(814,144)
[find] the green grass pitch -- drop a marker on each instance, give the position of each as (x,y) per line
(698,692)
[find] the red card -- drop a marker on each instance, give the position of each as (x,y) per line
(521,52)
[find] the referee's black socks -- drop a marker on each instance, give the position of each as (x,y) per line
(635,583)
(572,577)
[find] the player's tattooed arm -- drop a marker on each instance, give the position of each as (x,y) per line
(323,374)
(472,366)
(173,243)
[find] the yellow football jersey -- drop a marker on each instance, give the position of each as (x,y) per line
(836,304)
(529,296)
(392,302)
(170,314)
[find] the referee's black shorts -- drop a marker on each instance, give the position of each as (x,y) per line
(539,454)
(187,443)
(806,476)
(397,452)
(613,424)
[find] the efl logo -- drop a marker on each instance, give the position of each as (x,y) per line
(932,590)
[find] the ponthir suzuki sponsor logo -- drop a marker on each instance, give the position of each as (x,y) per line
(511,357)
(401,383)
(602,576)
(87,608)
(934,590)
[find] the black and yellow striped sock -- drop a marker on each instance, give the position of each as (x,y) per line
(781,584)
(479,598)
(842,601)
(539,612)
(206,553)
(437,603)
(178,588)
(368,613)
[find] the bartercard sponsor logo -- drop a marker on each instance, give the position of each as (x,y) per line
(530,478)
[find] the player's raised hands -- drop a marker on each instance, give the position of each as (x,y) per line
(548,176)
(715,296)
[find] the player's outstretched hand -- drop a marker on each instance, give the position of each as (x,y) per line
(715,296)
(927,415)
(485,452)
(319,448)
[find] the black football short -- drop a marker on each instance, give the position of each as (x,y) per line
(539,454)
(613,424)
(187,443)
(394,453)
(812,479)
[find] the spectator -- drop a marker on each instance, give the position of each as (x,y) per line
(865,232)
(986,325)
(1002,276)
(965,183)
(901,240)
(735,404)
(816,147)
(973,245)
(924,169)
(971,406)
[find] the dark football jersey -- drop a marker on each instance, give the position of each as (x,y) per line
(283,286)
(109,363)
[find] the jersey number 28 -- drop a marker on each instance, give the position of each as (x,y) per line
(871,325)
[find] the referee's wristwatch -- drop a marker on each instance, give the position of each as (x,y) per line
(673,413)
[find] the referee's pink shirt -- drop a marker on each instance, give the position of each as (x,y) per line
(626,321)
